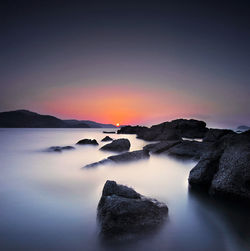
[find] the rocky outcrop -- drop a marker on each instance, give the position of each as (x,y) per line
(120,158)
(122,210)
(161,146)
(109,132)
(87,142)
(118,145)
(60,148)
(189,149)
(226,169)
(132,129)
(215,134)
(107,138)
(174,130)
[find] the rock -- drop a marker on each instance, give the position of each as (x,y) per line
(202,174)
(189,149)
(174,130)
(124,157)
(226,169)
(108,131)
(131,129)
(215,134)
(123,210)
(87,142)
(107,138)
(130,156)
(118,145)
(60,148)
(161,146)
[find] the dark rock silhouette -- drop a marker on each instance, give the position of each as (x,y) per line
(60,148)
(112,132)
(173,130)
(189,149)
(132,129)
(87,142)
(124,157)
(161,146)
(118,145)
(122,210)
(225,170)
(215,134)
(107,138)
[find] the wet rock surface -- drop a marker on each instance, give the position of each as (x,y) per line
(122,210)
(226,169)
(118,145)
(87,142)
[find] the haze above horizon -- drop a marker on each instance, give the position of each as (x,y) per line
(127,62)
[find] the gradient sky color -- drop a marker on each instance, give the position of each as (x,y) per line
(132,62)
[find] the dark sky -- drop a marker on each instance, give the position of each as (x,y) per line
(127,61)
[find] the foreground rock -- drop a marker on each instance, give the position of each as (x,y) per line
(225,170)
(118,145)
(122,210)
(87,142)
(60,148)
(107,138)
(124,157)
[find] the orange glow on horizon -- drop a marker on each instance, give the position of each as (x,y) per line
(124,103)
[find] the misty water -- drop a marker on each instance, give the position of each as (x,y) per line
(49,202)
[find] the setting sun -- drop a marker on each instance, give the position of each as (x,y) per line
(117,124)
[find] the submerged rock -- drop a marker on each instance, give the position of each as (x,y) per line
(60,148)
(118,145)
(124,157)
(226,170)
(107,138)
(87,142)
(122,210)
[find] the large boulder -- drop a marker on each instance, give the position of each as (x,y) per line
(174,130)
(118,145)
(226,170)
(87,142)
(122,210)
(215,134)
(124,157)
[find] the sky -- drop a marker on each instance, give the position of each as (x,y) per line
(127,62)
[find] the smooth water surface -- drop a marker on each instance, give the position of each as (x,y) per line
(48,201)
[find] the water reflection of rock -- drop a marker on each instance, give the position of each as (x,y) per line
(231,217)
